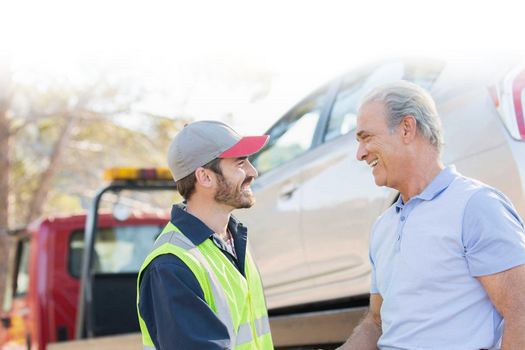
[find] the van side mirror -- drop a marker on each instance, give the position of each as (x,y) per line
(6,321)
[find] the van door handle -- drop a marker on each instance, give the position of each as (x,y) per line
(288,190)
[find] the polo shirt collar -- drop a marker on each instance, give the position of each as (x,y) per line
(399,205)
(436,186)
(439,184)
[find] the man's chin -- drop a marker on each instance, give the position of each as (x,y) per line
(246,204)
(379,182)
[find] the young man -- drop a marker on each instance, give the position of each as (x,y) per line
(199,287)
(448,257)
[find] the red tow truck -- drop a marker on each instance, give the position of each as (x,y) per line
(59,292)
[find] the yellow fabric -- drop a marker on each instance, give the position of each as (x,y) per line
(193,265)
(244,295)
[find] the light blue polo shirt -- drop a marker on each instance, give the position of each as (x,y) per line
(425,256)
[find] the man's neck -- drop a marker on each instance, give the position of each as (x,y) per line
(419,175)
(216,217)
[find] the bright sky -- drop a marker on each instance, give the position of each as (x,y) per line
(300,43)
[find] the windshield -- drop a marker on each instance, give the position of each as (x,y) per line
(120,249)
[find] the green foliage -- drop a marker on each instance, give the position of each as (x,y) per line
(64,203)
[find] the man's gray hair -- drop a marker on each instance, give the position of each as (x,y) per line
(402,98)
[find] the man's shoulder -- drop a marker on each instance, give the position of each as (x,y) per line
(463,182)
(469,187)
(481,197)
(169,269)
(488,201)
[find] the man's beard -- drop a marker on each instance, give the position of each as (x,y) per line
(231,195)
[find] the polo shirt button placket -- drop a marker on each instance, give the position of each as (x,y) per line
(402,221)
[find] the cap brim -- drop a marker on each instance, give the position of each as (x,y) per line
(248,145)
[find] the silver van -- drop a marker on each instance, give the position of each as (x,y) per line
(309,229)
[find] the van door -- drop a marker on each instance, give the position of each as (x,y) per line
(274,222)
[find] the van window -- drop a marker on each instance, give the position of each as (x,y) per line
(292,135)
(344,110)
(423,74)
(354,87)
(118,249)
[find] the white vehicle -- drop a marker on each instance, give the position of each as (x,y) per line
(316,203)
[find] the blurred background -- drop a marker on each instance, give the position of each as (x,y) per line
(88,85)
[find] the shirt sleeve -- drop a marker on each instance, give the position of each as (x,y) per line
(173,307)
(493,234)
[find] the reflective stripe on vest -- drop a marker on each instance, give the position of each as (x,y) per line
(262,326)
(244,334)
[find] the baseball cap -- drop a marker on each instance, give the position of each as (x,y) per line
(200,142)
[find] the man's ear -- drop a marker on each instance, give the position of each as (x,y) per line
(203,177)
(408,128)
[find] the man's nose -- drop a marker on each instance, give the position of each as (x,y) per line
(361,152)
(250,169)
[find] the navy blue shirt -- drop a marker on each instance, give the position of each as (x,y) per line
(172,302)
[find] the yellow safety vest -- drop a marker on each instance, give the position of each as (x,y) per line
(237,301)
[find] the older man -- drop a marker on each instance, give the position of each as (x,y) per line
(448,257)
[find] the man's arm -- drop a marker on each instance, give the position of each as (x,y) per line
(173,307)
(494,240)
(506,291)
(366,335)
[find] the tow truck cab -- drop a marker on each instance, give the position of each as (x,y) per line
(44,278)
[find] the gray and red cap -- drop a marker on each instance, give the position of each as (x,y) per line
(200,142)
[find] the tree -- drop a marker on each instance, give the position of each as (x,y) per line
(37,126)
(5,100)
